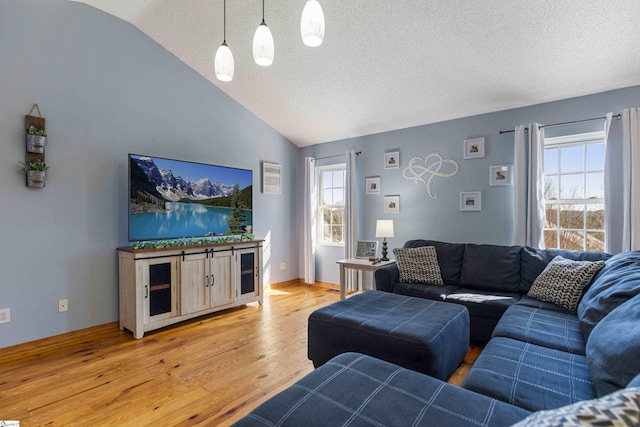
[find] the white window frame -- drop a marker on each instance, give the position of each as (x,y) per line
(574,140)
(320,227)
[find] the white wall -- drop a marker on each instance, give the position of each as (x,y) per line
(106,90)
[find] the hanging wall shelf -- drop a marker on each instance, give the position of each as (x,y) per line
(35,148)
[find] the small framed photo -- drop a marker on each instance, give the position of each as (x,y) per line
(470,201)
(391,204)
(366,248)
(473,148)
(271,178)
(392,160)
(500,175)
(373,185)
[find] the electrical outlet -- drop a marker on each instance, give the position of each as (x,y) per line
(283,266)
(63,305)
(5,315)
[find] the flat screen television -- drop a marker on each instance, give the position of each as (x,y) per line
(171,199)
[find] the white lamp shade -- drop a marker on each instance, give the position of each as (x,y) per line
(312,24)
(263,49)
(224,63)
(384,228)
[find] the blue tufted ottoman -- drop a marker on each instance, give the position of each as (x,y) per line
(427,336)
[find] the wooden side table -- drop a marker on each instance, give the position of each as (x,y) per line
(358,264)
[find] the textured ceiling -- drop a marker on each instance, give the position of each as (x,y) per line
(392,64)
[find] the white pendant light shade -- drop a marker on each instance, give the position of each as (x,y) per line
(312,24)
(263,49)
(224,63)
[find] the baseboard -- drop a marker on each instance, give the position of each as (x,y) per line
(300,281)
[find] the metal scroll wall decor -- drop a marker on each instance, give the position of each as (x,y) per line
(433,165)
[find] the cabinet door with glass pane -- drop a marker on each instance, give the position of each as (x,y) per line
(248,273)
(159,281)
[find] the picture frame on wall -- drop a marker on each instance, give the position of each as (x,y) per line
(392,160)
(366,249)
(271,178)
(470,201)
(391,204)
(373,185)
(500,175)
(473,148)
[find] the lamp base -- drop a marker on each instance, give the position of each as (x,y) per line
(384,250)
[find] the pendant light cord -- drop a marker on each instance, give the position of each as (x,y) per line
(224,21)
(263,23)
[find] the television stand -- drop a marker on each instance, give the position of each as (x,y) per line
(161,287)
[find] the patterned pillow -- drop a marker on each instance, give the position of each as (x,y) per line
(418,265)
(621,408)
(562,281)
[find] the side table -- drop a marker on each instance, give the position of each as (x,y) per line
(358,264)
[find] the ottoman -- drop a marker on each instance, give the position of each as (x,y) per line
(357,390)
(431,337)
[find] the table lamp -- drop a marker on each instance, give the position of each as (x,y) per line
(384,229)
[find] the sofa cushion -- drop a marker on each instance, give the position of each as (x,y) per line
(533,261)
(357,390)
(553,329)
(613,348)
(616,283)
(418,265)
(491,267)
(530,376)
(562,281)
(635,382)
(421,290)
(487,304)
(621,408)
(449,258)
(536,303)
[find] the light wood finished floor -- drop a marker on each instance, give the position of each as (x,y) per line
(210,371)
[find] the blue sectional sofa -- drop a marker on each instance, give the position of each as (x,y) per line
(542,365)
(487,279)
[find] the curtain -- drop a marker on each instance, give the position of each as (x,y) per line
(309,221)
(622,185)
(528,180)
(350,231)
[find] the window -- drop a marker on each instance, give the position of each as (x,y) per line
(574,192)
(331,182)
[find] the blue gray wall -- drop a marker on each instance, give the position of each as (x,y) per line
(105,90)
(441,219)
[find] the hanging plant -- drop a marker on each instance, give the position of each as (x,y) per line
(36,139)
(36,173)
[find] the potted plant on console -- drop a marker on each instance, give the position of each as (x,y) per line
(36,173)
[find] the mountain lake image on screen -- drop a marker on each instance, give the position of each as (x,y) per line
(170,199)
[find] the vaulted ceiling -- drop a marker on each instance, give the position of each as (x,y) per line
(392,64)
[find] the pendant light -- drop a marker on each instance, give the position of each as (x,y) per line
(223,63)
(263,49)
(312,24)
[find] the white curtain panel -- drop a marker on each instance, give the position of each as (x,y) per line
(622,182)
(528,184)
(351,225)
(309,221)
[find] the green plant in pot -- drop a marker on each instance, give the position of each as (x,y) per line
(36,173)
(36,139)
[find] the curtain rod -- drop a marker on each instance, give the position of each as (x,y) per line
(617,116)
(337,155)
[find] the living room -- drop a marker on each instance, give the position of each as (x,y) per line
(107,90)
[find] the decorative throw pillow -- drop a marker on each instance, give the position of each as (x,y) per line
(418,265)
(562,281)
(621,408)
